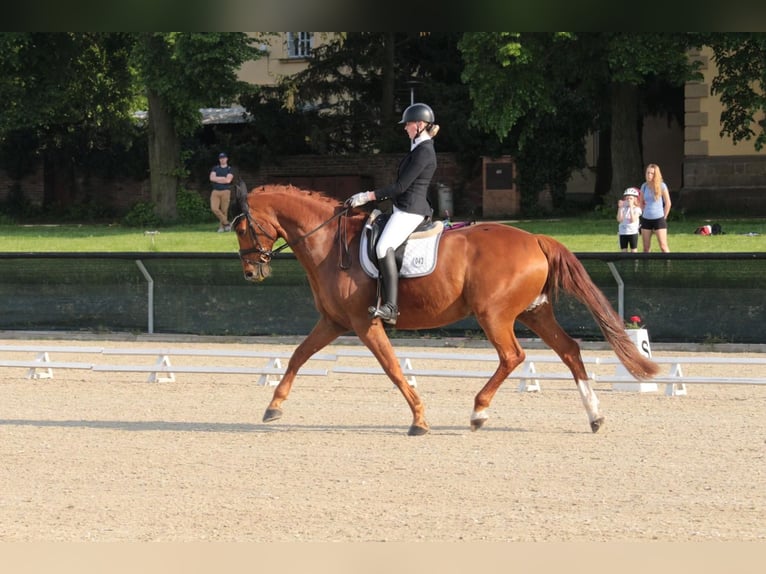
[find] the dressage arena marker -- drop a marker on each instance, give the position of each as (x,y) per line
(41,367)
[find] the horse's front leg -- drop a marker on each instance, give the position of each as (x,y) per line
(323,333)
(510,355)
(374,336)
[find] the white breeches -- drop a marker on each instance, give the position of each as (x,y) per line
(396,231)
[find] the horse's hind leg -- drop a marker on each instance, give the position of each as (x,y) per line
(542,321)
(323,333)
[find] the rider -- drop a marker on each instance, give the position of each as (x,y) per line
(410,202)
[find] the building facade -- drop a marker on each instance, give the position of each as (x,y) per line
(717,173)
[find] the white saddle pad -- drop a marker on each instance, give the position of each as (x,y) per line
(420,253)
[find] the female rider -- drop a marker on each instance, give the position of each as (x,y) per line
(411,207)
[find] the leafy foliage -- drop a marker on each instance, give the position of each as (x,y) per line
(546,92)
(351,97)
(192,208)
(741,85)
(142,214)
(192,70)
(69,98)
(66,95)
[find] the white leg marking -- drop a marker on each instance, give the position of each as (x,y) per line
(539,300)
(479,416)
(589,399)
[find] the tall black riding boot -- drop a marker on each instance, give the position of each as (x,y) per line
(388,311)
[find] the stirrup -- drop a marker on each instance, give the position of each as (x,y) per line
(387,313)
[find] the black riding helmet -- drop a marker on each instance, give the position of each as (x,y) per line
(418,113)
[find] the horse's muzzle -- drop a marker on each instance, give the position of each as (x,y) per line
(257,272)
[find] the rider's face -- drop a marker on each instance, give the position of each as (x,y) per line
(412,129)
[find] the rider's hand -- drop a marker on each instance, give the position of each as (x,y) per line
(360,198)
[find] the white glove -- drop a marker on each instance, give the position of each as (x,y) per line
(360,198)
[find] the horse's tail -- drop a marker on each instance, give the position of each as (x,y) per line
(567,273)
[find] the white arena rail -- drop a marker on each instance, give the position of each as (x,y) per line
(41,367)
(529,377)
(456,364)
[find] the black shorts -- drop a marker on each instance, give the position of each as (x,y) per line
(629,241)
(652,224)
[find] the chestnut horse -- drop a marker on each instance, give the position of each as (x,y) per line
(497,273)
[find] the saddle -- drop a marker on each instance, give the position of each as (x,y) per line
(415,257)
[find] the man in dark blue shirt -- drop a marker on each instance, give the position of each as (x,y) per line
(221,176)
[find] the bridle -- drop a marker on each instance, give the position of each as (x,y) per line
(265,255)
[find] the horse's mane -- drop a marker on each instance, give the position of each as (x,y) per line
(323,202)
(289,189)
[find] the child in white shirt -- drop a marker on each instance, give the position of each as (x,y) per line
(628,214)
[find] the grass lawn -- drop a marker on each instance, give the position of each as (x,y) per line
(583,234)
(598,234)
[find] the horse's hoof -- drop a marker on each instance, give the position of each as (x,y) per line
(478,419)
(476,424)
(595,425)
(272,415)
(417,431)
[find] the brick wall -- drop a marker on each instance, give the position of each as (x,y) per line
(371,171)
(339,176)
(119,194)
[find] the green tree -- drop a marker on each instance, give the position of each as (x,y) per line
(741,85)
(526,89)
(351,96)
(65,95)
(550,90)
(181,73)
(69,93)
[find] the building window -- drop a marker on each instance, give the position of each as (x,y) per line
(299,44)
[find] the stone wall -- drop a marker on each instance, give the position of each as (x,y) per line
(731,184)
(718,175)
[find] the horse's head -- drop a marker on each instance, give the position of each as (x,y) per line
(255,240)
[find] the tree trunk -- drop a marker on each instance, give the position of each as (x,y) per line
(164,158)
(603,165)
(626,152)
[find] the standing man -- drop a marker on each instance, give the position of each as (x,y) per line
(221,176)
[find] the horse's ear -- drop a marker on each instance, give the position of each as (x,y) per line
(240,192)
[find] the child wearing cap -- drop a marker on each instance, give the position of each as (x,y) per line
(628,214)
(221,177)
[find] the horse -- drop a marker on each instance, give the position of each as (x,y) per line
(495,272)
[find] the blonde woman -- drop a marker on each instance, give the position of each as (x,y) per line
(654,202)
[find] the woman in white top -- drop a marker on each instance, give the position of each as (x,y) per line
(654,202)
